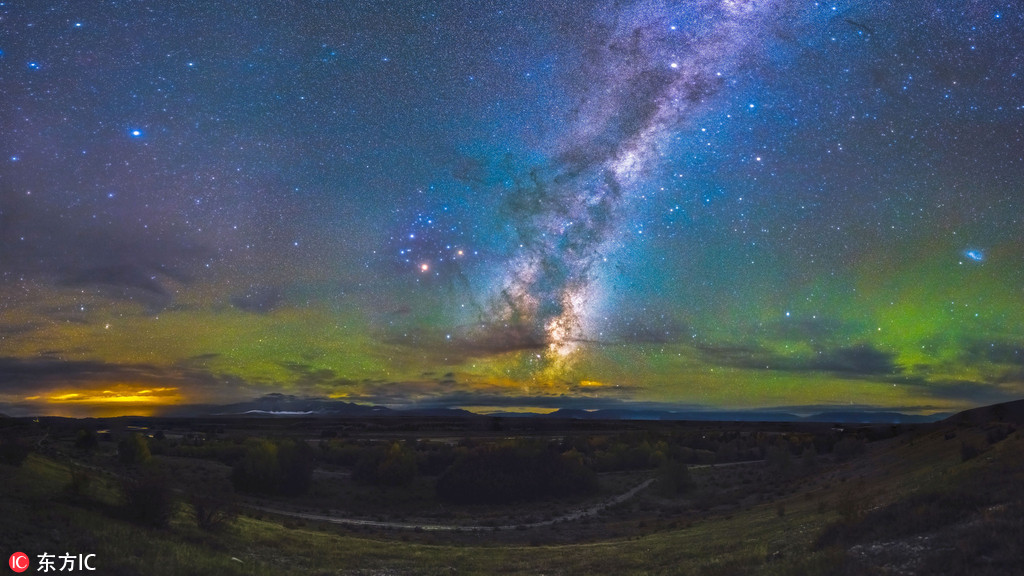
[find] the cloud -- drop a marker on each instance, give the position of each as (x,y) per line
(310,378)
(70,248)
(498,398)
(1009,352)
(44,377)
(124,281)
(860,360)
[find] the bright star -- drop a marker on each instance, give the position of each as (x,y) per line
(976,255)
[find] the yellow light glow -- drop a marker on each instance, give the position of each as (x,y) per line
(122,394)
(65,397)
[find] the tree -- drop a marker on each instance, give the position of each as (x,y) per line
(674,478)
(133,450)
(295,462)
(283,467)
(398,467)
(505,473)
(213,503)
(258,471)
(86,439)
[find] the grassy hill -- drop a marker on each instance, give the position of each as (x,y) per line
(946,498)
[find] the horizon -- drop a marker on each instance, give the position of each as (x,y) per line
(278,405)
(734,205)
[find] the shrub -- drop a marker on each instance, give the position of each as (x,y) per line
(13,452)
(394,465)
(969,450)
(86,439)
(213,505)
(133,450)
(398,468)
(501,474)
(674,478)
(284,467)
(77,488)
(148,498)
(848,447)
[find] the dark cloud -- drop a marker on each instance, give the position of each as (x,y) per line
(860,360)
(311,378)
(70,248)
(18,329)
(863,359)
(496,397)
(25,375)
(461,344)
(996,352)
(40,375)
(972,392)
(124,281)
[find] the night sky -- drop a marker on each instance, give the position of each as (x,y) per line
(511,205)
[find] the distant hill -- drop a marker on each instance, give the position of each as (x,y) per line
(277,404)
(288,405)
(1004,412)
(847,417)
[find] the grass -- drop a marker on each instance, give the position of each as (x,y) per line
(267,547)
(903,488)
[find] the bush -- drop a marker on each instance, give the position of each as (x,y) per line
(501,474)
(391,466)
(970,450)
(133,450)
(398,468)
(213,504)
(148,498)
(13,452)
(86,439)
(847,448)
(674,478)
(78,487)
(295,459)
(284,467)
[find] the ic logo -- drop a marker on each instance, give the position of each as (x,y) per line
(19,562)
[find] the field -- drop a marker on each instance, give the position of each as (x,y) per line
(653,498)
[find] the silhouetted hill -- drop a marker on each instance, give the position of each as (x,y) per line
(857,417)
(1003,412)
(277,404)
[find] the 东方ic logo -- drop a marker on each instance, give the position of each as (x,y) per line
(18,562)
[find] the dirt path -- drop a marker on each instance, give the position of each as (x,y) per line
(568,517)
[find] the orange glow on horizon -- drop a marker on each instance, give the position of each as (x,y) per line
(121,394)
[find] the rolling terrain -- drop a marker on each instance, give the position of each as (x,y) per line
(941,498)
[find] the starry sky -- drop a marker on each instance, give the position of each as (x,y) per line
(514,205)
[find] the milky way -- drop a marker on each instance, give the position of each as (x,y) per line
(650,67)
